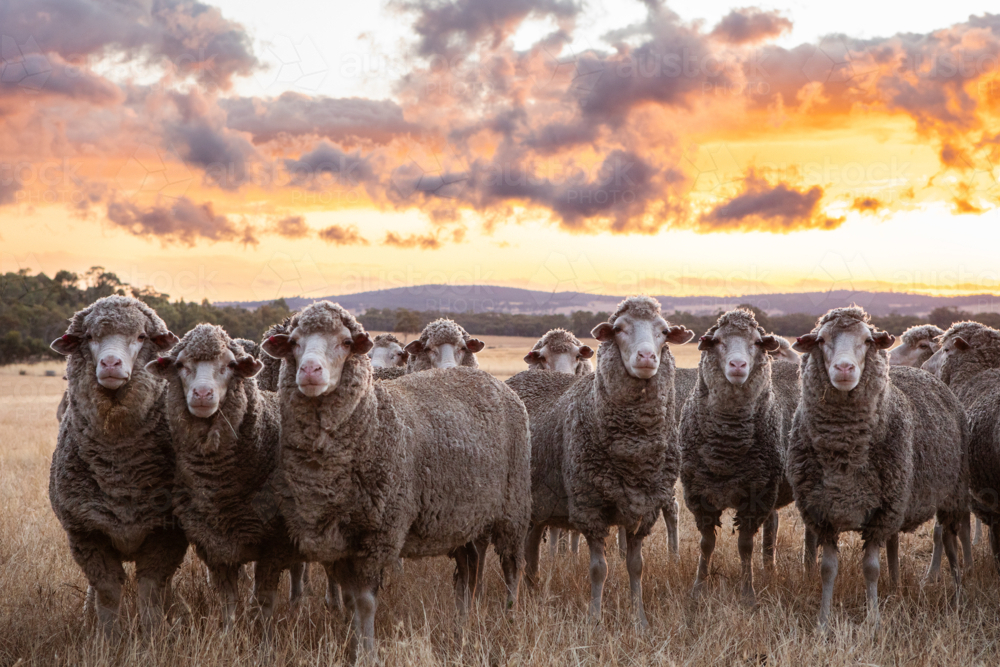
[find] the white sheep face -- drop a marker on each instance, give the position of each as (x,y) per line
(115,355)
(390,355)
(446,354)
(565,361)
(640,341)
(844,350)
(737,351)
(319,356)
(913,355)
(205,382)
(951,346)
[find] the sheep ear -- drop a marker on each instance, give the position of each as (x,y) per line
(805,343)
(604,331)
(961,343)
(531,358)
(405,356)
(362,342)
(278,346)
(475,345)
(414,347)
(248,367)
(164,341)
(770,343)
(161,367)
(706,343)
(66,344)
(883,339)
(678,335)
(586,351)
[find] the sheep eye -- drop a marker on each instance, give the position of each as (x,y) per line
(180,366)
(617,330)
(142,337)
(232,364)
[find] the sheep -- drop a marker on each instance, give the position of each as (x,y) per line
(968,360)
(421,466)
(874,449)
(225,434)
(559,350)
(732,440)
(267,379)
(443,344)
(784,351)
(919,344)
(604,446)
(111,480)
(388,352)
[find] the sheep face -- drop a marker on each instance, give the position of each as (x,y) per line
(562,359)
(318,354)
(640,341)
(388,355)
(913,355)
(443,344)
(953,345)
(784,351)
(844,346)
(113,332)
(738,349)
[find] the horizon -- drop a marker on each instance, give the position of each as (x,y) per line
(237,153)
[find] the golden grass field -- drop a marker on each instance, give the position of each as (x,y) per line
(41,593)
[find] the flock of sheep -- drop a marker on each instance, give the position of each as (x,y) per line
(321,445)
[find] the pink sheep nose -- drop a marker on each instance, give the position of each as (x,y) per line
(203,394)
(844,367)
(646,359)
(311,369)
(737,365)
(110,362)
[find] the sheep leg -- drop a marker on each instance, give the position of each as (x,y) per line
(296,575)
(934,571)
(105,577)
(670,513)
(706,525)
(828,572)
(870,567)
(951,550)
(810,547)
(633,562)
(769,540)
(554,535)
(161,554)
(892,559)
(979,531)
(964,531)
(266,575)
(994,528)
(533,543)
(511,577)
(90,603)
(598,575)
(465,578)
(479,573)
(622,542)
(744,543)
(574,542)
(226,580)
(334,599)
(363,623)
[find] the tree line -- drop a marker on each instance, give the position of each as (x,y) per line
(34,310)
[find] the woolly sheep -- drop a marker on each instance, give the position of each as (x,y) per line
(559,350)
(225,434)
(421,466)
(860,429)
(443,344)
(918,346)
(604,445)
(388,352)
(111,480)
(968,361)
(784,351)
(732,440)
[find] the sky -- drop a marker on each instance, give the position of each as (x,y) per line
(246,150)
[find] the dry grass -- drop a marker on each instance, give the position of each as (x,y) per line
(42,594)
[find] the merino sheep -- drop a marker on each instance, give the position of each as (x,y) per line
(443,344)
(784,351)
(225,434)
(388,352)
(267,379)
(421,466)
(112,474)
(919,344)
(559,350)
(604,446)
(874,449)
(732,439)
(968,361)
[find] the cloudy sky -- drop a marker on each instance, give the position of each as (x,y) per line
(249,150)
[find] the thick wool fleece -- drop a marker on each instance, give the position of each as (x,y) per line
(416,467)
(440,332)
(732,448)
(389,373)
(561,341)
(974,376)
(111,480)
(385,339)
(882,458)
(226,492)
(267,379)
(604,445)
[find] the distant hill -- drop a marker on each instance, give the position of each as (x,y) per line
(490,298)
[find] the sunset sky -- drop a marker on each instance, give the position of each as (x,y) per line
(248,150)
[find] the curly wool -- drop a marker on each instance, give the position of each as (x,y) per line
(851,454)
(226,493)
(111,479)
(370,477)
(560,341)
(267,379)
(384,340)
(642,307)
(919,333)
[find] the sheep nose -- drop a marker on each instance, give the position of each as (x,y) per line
(203,394)
(111,362)
(737,365)
(844,367)
(310,368)
(647,357)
